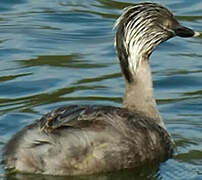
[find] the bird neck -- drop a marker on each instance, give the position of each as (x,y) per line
(139,93)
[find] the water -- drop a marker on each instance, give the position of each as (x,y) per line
(61,52)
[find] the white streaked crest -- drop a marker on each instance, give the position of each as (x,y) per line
(142,28)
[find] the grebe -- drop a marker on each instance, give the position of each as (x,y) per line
(82,139)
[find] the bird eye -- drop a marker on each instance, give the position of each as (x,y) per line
(167,24)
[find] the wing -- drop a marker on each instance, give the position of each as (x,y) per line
(129,124)
(77,116)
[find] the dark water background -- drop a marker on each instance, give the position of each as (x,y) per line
(56,52)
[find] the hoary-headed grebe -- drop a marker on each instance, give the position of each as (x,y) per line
(82,139)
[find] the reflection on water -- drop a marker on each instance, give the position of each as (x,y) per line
(149,172)
(61,52)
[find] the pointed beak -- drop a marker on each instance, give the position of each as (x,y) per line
(183,31)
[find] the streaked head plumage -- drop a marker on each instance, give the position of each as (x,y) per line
(140,29)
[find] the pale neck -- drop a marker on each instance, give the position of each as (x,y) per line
(139,93)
